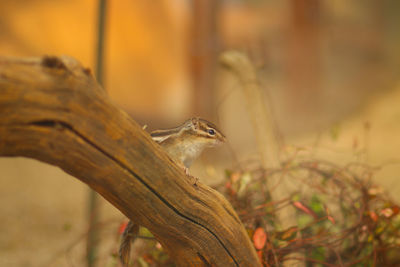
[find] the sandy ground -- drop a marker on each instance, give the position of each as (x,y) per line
(371,136)
(43,210)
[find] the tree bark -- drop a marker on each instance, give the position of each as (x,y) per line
(52,110)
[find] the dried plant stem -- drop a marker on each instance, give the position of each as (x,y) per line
(264,128)
(93,198)
(260,115)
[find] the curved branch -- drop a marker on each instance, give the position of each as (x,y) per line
(53,110)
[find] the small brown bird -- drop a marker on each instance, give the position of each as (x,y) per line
(183,144)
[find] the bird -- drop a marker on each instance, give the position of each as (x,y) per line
(183,144)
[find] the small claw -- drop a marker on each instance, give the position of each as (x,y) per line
(186,171)
(195,181)
(190,176)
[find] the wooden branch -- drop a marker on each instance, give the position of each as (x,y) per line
(53,110)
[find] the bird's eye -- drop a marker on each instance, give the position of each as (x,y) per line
(211,132)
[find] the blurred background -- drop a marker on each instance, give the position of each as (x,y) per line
(329,71)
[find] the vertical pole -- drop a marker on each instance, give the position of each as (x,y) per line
(303,65)
(304,71)
(203,51)
(93,209)
(100,41)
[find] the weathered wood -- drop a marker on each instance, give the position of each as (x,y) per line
(51,109)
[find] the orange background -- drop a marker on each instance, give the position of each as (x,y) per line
(327,67)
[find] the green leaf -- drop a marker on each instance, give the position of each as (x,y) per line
(145,232)
(296,197)
(317,206)
(318,253)
(303,220)
(244,181)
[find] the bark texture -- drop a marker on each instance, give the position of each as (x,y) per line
(52,110)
